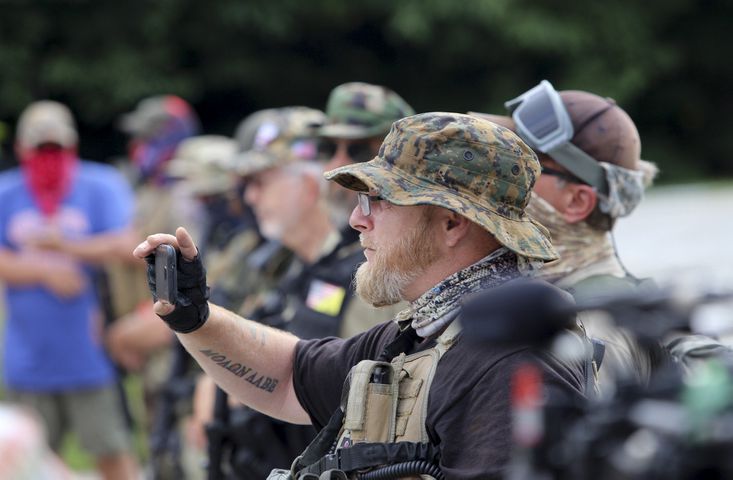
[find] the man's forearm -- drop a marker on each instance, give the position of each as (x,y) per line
(20,269)
(250,361)
(103,247)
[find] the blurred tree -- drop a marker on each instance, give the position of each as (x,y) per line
(661,61)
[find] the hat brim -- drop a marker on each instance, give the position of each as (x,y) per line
(251,162)
(350,132)
(525,237)
(209,186)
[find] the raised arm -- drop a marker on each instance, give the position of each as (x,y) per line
(252,362)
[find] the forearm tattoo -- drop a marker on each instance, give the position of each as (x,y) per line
(242,371)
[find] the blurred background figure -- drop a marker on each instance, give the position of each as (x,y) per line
(24,448)
(250,264)
(243,275)
(199,167)
(156,128)
(359,116)
(60,219)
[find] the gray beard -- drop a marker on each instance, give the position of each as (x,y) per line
(379,288)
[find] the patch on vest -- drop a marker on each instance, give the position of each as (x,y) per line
(325,297)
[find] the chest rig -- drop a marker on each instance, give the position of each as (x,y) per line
(380,432)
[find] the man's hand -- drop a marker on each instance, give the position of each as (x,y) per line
(63,278)
(191,309)
(182,242)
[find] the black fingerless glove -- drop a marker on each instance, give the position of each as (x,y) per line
(191,305)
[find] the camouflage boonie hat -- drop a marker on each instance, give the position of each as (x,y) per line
(46,121)
(468,165)
(202,164)
(360,110)
(282,136)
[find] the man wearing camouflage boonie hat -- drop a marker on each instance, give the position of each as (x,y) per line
(441,215)
(358,116)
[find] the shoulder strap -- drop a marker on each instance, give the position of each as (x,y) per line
(448,338)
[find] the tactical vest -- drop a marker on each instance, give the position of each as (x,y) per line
(384,419)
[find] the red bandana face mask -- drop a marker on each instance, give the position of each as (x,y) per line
(49,171)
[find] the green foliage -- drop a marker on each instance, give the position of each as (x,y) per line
(661,61)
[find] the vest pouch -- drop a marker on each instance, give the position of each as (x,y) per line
(372,403)
(416,376)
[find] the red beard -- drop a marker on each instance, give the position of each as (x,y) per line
(49,172)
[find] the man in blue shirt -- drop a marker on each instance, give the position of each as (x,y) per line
(60,218)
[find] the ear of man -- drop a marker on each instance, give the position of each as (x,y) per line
(580,203)
(452,226)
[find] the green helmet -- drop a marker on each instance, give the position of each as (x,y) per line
(360,110)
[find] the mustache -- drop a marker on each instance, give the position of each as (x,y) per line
(364,243)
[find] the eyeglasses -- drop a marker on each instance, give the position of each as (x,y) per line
(359,152)
(544,123)
(561,175)
(365,202)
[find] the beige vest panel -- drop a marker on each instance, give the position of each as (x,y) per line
(394,411)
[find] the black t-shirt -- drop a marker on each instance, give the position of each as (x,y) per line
(468,416)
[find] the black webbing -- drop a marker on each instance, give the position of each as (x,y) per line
(369,455)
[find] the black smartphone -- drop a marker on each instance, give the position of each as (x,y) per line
(166,285)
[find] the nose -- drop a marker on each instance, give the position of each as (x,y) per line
(359,221)
(340,157)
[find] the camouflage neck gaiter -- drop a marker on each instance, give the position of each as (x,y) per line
(579,245)
(437,307)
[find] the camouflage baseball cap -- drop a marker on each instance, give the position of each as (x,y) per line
(282,136)
(246,131)
(201,163)
(468,165)
(360,110)
(46,121)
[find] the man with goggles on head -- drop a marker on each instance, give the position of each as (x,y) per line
(359,116)
(592,174)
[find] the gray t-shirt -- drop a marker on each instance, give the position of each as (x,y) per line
(469,405)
